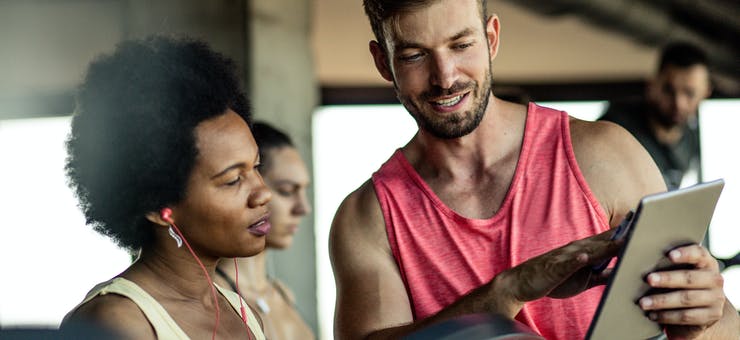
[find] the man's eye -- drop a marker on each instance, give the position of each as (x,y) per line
(411,57)
(463,46)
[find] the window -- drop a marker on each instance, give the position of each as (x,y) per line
(50,257)
(718,122)
(349,143)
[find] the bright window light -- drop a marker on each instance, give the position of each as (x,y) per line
(349,144)
(50,257)
(585,110)
(718,122)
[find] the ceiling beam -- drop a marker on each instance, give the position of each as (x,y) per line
(650,24)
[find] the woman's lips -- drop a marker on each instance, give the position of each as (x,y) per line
(261,227)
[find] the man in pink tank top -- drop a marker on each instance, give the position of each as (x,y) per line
(494,207)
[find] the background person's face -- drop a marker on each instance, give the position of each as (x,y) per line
(440,60)
(288,179)
(677,92)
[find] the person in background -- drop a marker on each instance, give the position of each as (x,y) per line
(162,160)
(493,206)
(286,175)
(665,120)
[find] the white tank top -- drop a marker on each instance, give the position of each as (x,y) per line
(164,325)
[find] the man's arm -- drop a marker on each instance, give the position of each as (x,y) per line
(372,301)
(370,292)
(620,172)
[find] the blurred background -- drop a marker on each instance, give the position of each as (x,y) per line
(306,67)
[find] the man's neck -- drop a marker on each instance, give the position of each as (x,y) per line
(486,145)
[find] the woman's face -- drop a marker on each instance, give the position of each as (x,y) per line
(288,179)
(225,213)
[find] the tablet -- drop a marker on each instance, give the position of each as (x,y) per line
(661,222)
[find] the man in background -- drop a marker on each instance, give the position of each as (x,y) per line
(664,122)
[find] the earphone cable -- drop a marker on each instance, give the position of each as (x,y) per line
(208,277)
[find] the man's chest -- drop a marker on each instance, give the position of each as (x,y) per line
(479,197)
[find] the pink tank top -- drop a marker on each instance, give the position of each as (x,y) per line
(442,255)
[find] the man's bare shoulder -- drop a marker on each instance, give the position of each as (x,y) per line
(618,170)
(359,217)
(603,141)
(358,242)
(370,292)
(116,313)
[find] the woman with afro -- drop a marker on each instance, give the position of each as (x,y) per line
(163,161)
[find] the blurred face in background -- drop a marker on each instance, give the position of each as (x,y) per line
(676,93)
(288,178)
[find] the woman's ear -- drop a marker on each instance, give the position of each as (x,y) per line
(157,218)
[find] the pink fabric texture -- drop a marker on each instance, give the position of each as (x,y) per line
(442,255)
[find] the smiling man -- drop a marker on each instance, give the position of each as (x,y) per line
(493,206)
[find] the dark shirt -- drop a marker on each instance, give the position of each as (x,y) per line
(672,160)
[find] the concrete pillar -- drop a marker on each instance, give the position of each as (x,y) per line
(284,92)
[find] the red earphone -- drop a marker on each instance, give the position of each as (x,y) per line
(166,214)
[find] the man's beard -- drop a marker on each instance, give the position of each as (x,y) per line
(665,120)
(455,125)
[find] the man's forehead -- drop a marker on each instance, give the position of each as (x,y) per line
(439,22)
(697,74)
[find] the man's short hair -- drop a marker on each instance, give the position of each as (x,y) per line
(378,11)
(682,54)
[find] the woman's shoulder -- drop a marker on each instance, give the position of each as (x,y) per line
(107,306)
(114,312)
(284,291)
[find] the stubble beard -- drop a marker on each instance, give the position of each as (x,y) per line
(454,125)
(666,120)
